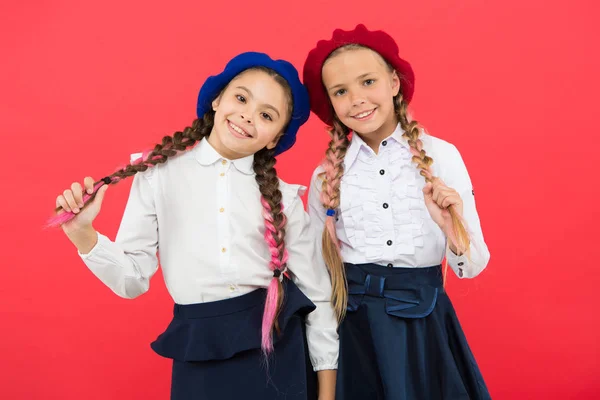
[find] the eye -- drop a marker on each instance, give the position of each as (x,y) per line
(266,116)
(369,82)
(340,92)
(240,98)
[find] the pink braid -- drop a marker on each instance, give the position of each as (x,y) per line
(66,216)
(63,217)
(279,257)
(170,146)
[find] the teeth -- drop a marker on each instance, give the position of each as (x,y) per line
(238,130)
(362,115)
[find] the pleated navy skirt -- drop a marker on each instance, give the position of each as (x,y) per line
(216,352)
(401,339)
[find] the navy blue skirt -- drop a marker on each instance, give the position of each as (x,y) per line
(401,339)
(216,352)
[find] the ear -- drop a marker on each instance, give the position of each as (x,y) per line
(395,83)
(272,144)
(216,102)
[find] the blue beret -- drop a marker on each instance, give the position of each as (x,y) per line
(301,108)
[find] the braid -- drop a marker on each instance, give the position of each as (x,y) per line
(454,227)
(275,221)
(330,198)
(169,147)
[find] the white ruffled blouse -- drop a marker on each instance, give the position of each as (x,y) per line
(382,217)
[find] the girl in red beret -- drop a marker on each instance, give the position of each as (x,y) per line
(392,202)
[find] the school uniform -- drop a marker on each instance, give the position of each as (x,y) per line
(203,214)
(401,339)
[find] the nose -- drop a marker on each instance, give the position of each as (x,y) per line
(246,119)
(357,99)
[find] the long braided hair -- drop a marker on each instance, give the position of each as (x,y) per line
(268,184)
(333,165)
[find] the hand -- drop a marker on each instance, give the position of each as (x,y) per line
(438,198)
(71,200)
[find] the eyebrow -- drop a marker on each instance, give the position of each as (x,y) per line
(359,78)
(245,89)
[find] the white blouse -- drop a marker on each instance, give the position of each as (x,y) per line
(203,213)
(382,217)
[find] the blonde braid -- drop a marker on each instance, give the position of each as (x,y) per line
(455,229)
(330,198)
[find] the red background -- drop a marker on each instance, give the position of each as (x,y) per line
(513,84)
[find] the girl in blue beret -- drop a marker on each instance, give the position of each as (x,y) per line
(252,315)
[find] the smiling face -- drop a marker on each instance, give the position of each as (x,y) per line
(361,88)
(250,114)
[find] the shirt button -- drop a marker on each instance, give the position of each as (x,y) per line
(385,205)
(222,174)
(384,143)
(390,265)
(381,172)
(231,288)
(223,250)
(224,162)
(221,209)
(389,242)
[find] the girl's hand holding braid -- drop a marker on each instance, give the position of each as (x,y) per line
(438,199)
(79,228)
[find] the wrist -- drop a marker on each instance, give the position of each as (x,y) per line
(84,238)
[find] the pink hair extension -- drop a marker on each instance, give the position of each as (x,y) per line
(143,157)
(269,315)
(279,257)
(137,161)
(66,216)
(330,165)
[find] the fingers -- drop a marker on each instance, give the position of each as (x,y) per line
(62,202)
(68,195)
(449,200)
(100,194)
(77,191)
(88,183)
(428,189)
(444,196)
(71,200)
(438,190)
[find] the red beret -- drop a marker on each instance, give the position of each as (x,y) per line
(379,41)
